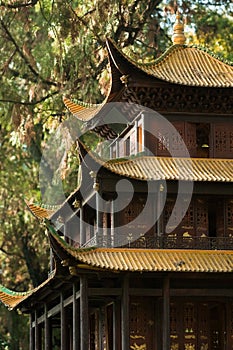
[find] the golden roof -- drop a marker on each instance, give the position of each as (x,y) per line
(12,299)
(191,66)
(147,168)
(180,64)
(81,111)
(39,212)
(168,168)
(183,65)
(148,260)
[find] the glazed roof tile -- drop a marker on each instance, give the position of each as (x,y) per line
(190,66)
(12,299)
(180,64)
(38,211)
(160,260)
(169,168)
(82,111)
(158,168)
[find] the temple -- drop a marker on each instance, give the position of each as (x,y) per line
(142,249)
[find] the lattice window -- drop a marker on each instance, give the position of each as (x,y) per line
(189,318)
(171,141)
(220,141)
(218,214)
(203,326)
(223,140)
(229,218)
(190,139)
(189,326)
(173,319)
(163,141)
(132,211)
(231,141)
(201,217)
(174,327)
(188,221)
(141,323)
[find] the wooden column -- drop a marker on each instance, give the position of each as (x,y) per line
(37,333)
(116,325)
(84,324)
(166,313)
(160,203)
(97,233)
(82,227)
(76,324)
(100,330)
(112,219)
(31,335)
(47,330)
(64,335)
(125,314)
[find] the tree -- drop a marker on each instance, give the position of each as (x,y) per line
(54,48)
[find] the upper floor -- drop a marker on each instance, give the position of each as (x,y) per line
(153,135)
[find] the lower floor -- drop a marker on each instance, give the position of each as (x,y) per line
(194,325)
(128,314)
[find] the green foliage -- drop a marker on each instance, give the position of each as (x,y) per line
(54,48)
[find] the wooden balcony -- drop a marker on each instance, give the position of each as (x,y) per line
(163,242)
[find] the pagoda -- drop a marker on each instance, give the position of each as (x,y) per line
(147,264)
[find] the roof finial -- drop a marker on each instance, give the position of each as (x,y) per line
(178,36)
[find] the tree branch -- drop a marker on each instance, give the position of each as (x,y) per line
(23,56)
(33,103)
(18,5)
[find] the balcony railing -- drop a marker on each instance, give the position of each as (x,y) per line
(163,242)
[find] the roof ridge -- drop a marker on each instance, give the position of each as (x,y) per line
(11,292)
(170,50)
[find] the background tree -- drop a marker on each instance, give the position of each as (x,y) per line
(54,48)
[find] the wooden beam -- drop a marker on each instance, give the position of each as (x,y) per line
(76,324)
(158,292)
(84,316)
(166,313)
(125,314)
(56,309)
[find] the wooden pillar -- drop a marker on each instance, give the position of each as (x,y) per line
(76,325)
(82,227)
(112,219)
(117,149)
(166,313)
(64,335)
(100,326)
(125,314)
(97,233)
(116,325)
(37,333)
(47,330)
(160,203)
(31,335)
(84,324)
